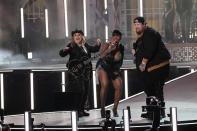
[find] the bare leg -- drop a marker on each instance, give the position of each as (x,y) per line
(103,78)
(117,83)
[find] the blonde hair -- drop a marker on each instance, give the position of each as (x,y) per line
(83,41)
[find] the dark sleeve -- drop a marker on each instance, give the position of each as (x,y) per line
(122,52)
(150,45)
(64,53)
(93,48)
(135,45)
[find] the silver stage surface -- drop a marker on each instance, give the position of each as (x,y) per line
(180,93)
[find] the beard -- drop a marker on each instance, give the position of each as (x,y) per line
(138,32)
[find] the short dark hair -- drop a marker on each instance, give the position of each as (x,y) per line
(77,31)
(139,19)
(116,33)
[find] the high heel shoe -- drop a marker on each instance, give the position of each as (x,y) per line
(115,113)
(102,113)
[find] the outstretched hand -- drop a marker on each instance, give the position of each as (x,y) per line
(133,51)
(66,48)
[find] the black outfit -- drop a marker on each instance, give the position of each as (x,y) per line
(110,65)
(80,84)
(150,46)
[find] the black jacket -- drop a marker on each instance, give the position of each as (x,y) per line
(150,46)
(77,53)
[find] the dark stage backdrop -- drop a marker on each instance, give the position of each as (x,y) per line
(174,19)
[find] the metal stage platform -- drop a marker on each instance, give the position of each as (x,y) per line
(179,92)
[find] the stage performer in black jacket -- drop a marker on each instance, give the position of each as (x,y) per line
(152,60)
(79,67)
(108,67)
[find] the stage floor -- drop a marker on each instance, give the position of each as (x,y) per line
(180,92)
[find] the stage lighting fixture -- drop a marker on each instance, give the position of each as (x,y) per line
(105,6)
(46,23)
(126,119)
(126,83)
(94,89)
(66,17)
(2,91)
(4,127)
(22,23)
(152,103)
(140,8)
(106,26)
(129,113)
(28,121)
(192,70)
(42,127)
(106,33)
(173,118)
(153,110)
(29,55)
(32,90)
(63,82)
(108,122)
(74,121)
(85,17)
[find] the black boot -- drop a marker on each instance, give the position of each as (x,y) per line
(102,112)
(147,115)
(85,113)
(80,114)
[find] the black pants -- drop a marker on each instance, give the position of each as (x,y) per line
(81,87)
(85,94)
(154,82)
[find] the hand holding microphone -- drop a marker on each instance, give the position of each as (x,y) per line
(114,43)
(98,42)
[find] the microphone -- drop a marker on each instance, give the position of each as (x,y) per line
(115,43)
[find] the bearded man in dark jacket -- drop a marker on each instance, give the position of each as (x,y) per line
(152,61)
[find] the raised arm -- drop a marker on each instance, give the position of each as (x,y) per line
(65,51)
(96,47)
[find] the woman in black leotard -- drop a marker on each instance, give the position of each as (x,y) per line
(108,67)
